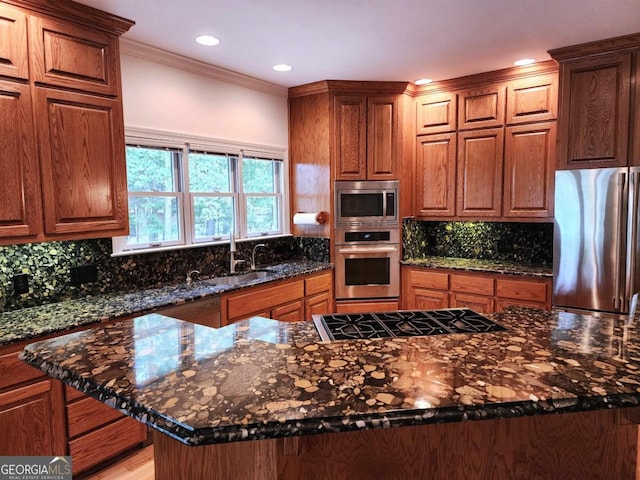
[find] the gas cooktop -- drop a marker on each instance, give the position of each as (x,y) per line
(407,323)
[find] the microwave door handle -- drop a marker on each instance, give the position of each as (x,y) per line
(384,204)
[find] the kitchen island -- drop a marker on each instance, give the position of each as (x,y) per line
(262,399)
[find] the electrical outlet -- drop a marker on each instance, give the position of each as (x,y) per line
(84,274)
(21,283)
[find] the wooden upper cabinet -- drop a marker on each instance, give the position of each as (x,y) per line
(593,123)
(529,160)
(83,166)
(366,136)
(382,137)
(435,187)
(74,56)
(532,99)
(479,185)
(14,59)
(481,107)
(436,113)
(20,214)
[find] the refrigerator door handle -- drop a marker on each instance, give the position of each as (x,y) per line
(632,236)
(619,288)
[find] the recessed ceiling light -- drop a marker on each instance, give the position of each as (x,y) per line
(423,81)
(207,40)
(524,61)
(282,67)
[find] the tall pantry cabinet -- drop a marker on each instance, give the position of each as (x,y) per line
(62,158)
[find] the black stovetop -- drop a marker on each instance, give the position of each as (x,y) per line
(408,323)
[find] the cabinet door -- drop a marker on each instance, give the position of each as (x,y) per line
(529,170)
(479,186)
(318,304)
(32,420)
(481,107)
(532,99)
(382,137)
(476,303)
(423,299)
(436,113)
(20,193)
(290,312)
(14,60)
(204,312)
(84,181)
(75,57)
(350,137)
(436,176)
(594,112)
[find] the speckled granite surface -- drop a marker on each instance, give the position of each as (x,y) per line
(265,379)
(32,322)
(478,265)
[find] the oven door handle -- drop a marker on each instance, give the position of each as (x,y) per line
(368,250)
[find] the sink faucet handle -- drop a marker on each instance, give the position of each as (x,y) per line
(192,272)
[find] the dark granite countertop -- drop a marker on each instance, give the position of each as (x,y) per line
(265,379)
(476,265)
(30,323)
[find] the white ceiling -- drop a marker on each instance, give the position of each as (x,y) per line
(371,39)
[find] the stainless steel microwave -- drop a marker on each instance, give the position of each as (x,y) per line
(366,203)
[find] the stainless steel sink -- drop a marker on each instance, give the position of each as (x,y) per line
(241,278)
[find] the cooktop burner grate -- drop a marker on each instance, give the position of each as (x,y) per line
(407,323)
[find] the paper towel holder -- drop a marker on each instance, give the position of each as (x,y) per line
(315,218)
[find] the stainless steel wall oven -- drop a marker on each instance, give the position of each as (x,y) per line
(367,263)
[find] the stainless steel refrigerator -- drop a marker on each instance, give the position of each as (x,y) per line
(596,239)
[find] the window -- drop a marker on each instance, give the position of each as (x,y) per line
(185,192)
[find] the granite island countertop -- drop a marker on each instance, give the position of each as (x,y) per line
(33,322)
(479,265)
(262,379)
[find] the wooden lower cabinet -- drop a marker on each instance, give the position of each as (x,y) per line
(31,409)
(203,312)
(289,300)
(425,289)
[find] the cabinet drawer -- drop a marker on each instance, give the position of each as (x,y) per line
(253,301)
(472,284)
(87,414)
(100,445)
(318,283)
(14,371)
(290,312)
(426,279)
(522,290)
(71,393)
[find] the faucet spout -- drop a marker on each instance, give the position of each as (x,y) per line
(253,255)
(189,276)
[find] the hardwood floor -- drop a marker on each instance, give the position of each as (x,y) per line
(137,466)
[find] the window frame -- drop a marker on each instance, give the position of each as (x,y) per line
(151,138)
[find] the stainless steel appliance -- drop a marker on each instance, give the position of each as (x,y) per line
(596,239)
(402,324)
(367,263)
(366,203)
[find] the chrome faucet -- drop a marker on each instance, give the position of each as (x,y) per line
(253,255)
(189,279)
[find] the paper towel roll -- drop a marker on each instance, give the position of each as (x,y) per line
(315,218)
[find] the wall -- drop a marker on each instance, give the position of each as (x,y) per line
(167,98)
(525,243)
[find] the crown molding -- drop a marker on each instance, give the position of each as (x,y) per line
(164,57)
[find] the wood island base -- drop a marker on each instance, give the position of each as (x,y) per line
(582,446)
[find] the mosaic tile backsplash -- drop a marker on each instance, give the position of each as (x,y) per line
(48,266)
(526,243)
